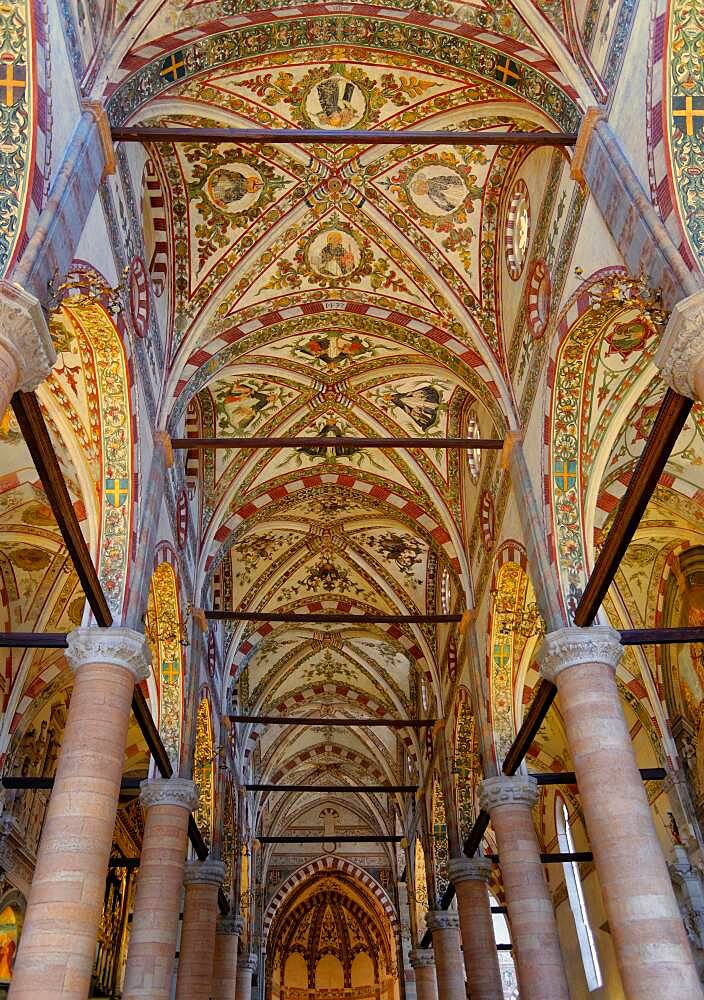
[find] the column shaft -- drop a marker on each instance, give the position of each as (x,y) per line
(652,950)
(225,965)
(152,949)
(536,945)
(200,912)
(245,969)
(449,965)
(470,877)
(423,963)
(57,947)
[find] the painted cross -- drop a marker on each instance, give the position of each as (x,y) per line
(691,110)
(502,654)
(173,67)
(565,476)
(13,82)
(507,72)
(116,492)
(171,671)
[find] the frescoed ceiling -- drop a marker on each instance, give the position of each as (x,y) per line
(336,290)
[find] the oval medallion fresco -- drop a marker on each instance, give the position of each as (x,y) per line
(517,230)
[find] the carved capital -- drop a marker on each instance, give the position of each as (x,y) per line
(591,119)
(680,356)
(469,869)
(421,958)
(208,872)
(230,925)
(508,790)
(573,647)
(96,110)
(169,792)
(120,647)
(442,920)
(247,962)
(25,335)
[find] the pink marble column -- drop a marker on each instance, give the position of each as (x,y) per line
(57,947)
(200,912)
(227,935)
(449,964)
(27,353)
(536,945)
(470,877)
(151,956)
(652,951)
(423,965)
(246,966)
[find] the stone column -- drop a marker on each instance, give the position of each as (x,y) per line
(200,913)
(449,965)
(245,969)
(423,964)
(536,945)
(27,353)
(57,947)
(470,877)
(227,933)
(680,356)
(150,959)
(652,951)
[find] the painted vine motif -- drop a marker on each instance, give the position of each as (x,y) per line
(15,122)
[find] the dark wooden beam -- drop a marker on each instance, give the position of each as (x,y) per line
(331,840)
(410,137)
(464,444)
(668,424)
(559,857)
(21,781)
(282,720)
(337,618)
(33,640)
(661,636)
(29,417)
(570,778)
(330,788)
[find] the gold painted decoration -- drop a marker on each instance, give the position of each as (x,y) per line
(164,631)
(203,760)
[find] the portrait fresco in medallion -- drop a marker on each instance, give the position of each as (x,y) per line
(437,189)
(234,188)
(335,102)
(333,253)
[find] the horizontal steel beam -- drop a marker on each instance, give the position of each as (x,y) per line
(378,137)
(466,444)
(331,840)
(661,636)
(330,788)
(33,640)
(282,720)
(334,617)
(21,781)
(570,778)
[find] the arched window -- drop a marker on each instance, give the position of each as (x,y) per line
(585,937)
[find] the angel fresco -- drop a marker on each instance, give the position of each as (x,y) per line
(244,403)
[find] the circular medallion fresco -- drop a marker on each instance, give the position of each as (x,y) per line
(437,189)
(333,253)
(538,294)
(234,188)
(517,230)
(335,103)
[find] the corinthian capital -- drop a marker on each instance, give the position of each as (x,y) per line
(680,356)
(508,790)
(24,333)
(120,647)
(573,647)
